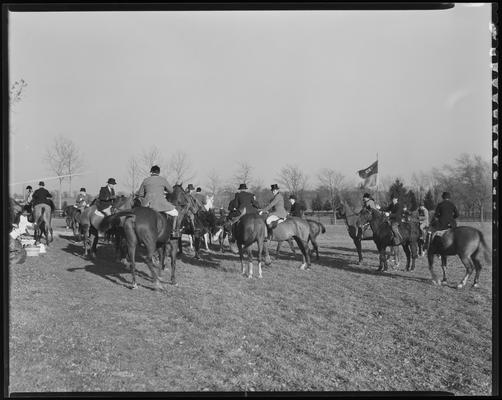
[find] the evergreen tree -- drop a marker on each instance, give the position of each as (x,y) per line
(327,206)
(317,203)
(429,201)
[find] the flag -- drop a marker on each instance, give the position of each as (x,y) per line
(369,175)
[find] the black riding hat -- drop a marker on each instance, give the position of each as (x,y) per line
(366,196)
(199,189)
(292,196)
(155,169)
(29,187)
(82,189)
(274,187)
(112,181)
(41,183)
(445,195)
(190,187)
(242,186)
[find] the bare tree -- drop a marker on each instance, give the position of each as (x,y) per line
(149,158)
(243,173)
(332,180)
(133,174)
(181,167)
(56,156)
(214,182)
(293,178)
(16,91)
(74,161)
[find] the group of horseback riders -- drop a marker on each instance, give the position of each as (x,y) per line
(444,216)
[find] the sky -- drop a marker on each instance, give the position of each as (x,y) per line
(313,89)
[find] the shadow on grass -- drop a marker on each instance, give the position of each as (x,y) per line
(106,267)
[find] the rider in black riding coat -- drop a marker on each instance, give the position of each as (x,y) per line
(395,213)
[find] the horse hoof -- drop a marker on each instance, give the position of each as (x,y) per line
(250,276)
(475,285)
(134,286)
(444,282)
(460,286)
(302,267)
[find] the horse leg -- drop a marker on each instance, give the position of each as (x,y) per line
(357,243)
(316,248)
(180,247)
(469,269)
(277,251)
(407,252)
(477,265)
(292,247)
(196,241)
(268,261)
(162,259)
(95,233)
(414,254)
(206,239)
(443,267)
(150,249)
(241,257)
(173,262)
(250,261)
(260,249)
(430,259)
(305,253)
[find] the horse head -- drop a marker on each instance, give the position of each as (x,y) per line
(178,197)
(123,202)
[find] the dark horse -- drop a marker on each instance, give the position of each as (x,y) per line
(357,230)
(316,228)
(42,222)
(204,221)
(249,229)
(383,237)
(152,229)
(466,242)
(72,215)
(90,221)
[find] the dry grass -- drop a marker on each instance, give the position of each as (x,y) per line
(76,326)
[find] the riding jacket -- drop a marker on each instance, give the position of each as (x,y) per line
(276,206)
(446,212)
(154,189)
(296,210)
(42,195)
(396,212)
(105,198)
(246,200)
(82,200)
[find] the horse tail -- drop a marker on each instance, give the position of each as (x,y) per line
(41,219)
(115,220)
(484,248)
(323,229)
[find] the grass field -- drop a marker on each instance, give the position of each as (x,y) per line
(76,326)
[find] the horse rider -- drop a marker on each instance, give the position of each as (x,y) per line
(81,200)
(446,213)
(395,213)
(276,206)
(297,208)
(245,200)
(153,189)
(42,195)
(369,202)
(201,199)
(106,197)
(28,200)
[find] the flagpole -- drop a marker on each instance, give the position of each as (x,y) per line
(377,182)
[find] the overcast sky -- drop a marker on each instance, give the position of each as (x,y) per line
(309,88)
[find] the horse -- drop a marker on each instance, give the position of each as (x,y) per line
(356,229)
(42,217)
(152,229)
(90,221)
(249,229)
(316,228)
(383,237)
(72,215)
(466,242)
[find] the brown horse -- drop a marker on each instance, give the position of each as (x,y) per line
(42,224)
(90,221)
(72,219)
(316,228)
(357,230)
(249,229)
(383,237)
(464,241)
(152,229)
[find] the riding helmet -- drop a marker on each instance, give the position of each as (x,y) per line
(41,183)
(274,187)
(112,181)
(242,186)
(155,169)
